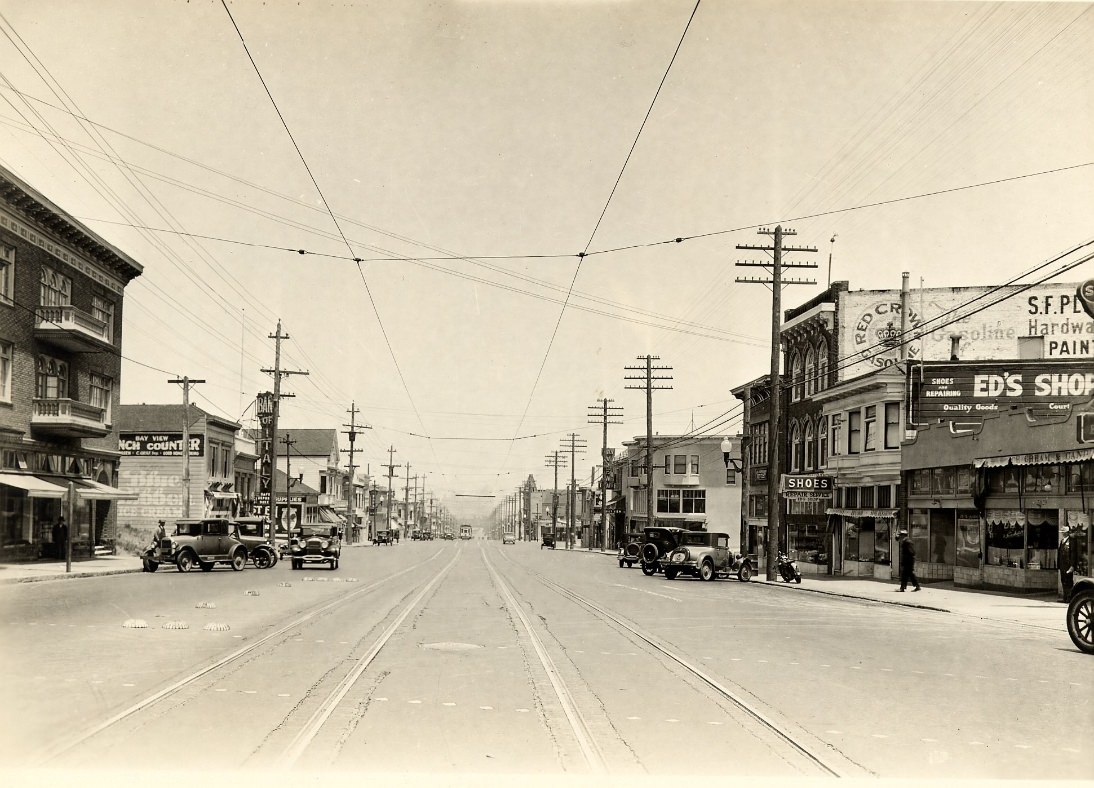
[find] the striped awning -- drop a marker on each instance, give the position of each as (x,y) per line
(33,486)
(1035,458)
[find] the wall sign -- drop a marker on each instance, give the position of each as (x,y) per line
(966,391)
(158,444)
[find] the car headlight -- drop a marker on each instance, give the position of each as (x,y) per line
(324,544)
(679,557)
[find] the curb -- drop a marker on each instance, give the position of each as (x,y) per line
(68,576)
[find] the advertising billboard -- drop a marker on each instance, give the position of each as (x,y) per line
(988,320)
(158,444)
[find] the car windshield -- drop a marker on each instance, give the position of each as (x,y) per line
(249,529)
(187,529)
(695,539)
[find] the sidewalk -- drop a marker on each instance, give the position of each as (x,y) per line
(35,571)
(1035,609)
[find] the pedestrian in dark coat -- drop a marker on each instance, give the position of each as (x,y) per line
(907,562)
(62,536)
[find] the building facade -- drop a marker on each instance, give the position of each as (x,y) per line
(61,295)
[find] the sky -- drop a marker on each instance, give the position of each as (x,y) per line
(445,165)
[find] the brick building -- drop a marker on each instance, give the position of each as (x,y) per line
(61,293)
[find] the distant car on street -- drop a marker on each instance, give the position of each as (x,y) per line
(316,544)
(508,539)
(203,543)
(630,551)
(382,537)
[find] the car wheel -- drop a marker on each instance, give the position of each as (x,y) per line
(333,564)
(1080,620)
(744,574)
(262,559)
(670,574)
(185,561)
(649,569)
(239,560)
(150,566)
(206,566)
(706,571)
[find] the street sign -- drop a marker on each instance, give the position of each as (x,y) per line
(1086,296)
(1085,427)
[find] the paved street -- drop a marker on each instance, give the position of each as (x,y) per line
(469,658)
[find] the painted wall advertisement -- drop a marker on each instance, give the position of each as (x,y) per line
(158,444)
(990,321)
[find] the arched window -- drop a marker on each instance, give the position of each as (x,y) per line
(810,372)
(822,366)
(796,389)
(795,447)
(822,441)
(810,446)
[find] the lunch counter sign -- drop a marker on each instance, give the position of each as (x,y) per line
(143,444)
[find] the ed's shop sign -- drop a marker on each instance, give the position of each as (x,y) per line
(806,486)
(949,391)
(158,444)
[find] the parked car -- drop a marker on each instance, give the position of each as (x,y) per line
(316,544)
(547,539)
(630,550)
(657,543)
(253,533)
(706,555)
(203,543)
(508,539)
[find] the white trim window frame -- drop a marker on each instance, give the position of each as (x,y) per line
(103,309)
(51,378)
(7,274)
(101,392)
(7,357)
(54,288)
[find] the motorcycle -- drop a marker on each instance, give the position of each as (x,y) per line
(788,569)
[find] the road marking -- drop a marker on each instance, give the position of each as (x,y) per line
(1012,679)
(856,667)
(1024,746)
(880,735)
(826,666)
(250,692)
(634,718)
(522,711)
(413,701)
(487,708)
(838,733)
(948,674)
(977,743)
(929,741)
(715,722)
(981,677)
(381,699)
(918,672)
(735,659)
(220,689)
(887,670)
(1042,681)
(795,663)
(282,694)
(129,685)
(448,703)
(670,719)
(1070,749)
(320,641)
(761,660)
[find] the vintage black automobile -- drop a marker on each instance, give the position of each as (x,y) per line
(382,537)
(630,550)
(253,533)
(706,555)
(203,543)
(315,544)
(658,542)
(547,539)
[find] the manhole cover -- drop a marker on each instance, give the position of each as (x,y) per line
(449,646)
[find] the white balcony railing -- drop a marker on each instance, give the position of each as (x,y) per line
(70,327)
(69,417)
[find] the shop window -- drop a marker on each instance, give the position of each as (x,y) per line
(822,442)
(919,530)
(854,431)
(858,538)
(943,481)
(850,497)
(885,496)
(964,479)
(1041,479)
(920,481)
(1005,534)
(1042,538)
(941,546)
(693,502)
(968,552)
(866,497)
(892,425)
(870,429)
(1080,477)
(883,534)
(807,543)
(1006,481)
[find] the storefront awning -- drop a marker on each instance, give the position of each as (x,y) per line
(877,514)
(34,487)
(95,491)
(1036,458)
(220,495)
(327,515)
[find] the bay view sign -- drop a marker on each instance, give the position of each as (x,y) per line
(158,444)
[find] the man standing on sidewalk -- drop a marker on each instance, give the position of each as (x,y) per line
(907,561)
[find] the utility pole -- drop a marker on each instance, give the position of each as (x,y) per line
(277,373)
(353,432)
(650,387)
(576,445)
(406,502)
(555,462)
(608,411)
(186,384)
(288,443)
(777,283)
(390,473)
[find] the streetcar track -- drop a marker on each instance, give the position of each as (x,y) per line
(47,754)
(710,682)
